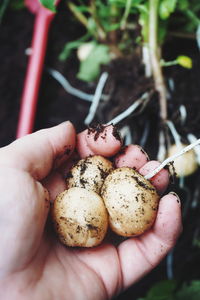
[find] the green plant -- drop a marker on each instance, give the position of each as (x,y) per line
(171,290)
(50,4)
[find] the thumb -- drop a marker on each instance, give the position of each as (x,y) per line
(39,152)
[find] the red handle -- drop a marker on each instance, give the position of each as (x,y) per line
(34,71)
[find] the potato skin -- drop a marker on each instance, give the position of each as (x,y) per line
(80,218)
(90,173)
(185,164)
(131,201)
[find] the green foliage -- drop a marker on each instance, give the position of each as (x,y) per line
(169,290)
(166,8)
(163,290)
(189,291)
(49,4)
(111,22)
(69,47)
(90,67)
(184,61)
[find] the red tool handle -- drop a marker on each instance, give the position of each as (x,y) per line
(34,72)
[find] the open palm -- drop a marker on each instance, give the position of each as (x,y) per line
(33,264)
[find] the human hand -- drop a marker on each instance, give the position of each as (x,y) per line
(33,263)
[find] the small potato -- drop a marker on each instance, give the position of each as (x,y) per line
(89,173)
(185,164)
(80,218)
(131,201)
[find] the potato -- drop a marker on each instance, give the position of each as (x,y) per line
(131,201)
(80,217)
(185,164)
(89,173)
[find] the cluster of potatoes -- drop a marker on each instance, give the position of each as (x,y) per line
(99,196)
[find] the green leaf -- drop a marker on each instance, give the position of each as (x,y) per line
(90,68)
(183,4)
(184,61)
(49,4)
(189,291)
(70,46)
(166,8)
(162,290)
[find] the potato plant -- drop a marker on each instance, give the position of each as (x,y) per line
(109,29)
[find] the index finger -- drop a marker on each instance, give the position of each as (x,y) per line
(99,140)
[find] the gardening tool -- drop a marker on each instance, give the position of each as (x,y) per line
(35,65)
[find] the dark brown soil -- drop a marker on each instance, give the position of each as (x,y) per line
(125,84)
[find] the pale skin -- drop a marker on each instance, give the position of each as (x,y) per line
(33,263)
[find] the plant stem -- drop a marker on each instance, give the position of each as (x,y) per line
(100,30)
(171,159)
(79,16)
(155,58)
(126,14)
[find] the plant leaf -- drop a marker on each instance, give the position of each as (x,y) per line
(49,4)
(166,8)
(70,46)
(163,290)
(189,291)
(90,68)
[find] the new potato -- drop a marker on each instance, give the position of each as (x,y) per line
(90,173)
(80,218)
(131,201)
(185,164)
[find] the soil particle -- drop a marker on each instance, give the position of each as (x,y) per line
(97,129)
(92,227)
(103,173)
(67,151)
(116,134)
(69,175)
(122,150)
(142,184)
(83,168)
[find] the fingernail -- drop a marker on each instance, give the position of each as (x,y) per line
(177,197)
(144,152)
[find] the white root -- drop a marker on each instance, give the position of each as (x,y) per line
(171,159)
(129,110)
(96,99)
(176,136)
(162,149)
(70,89)
(183,113)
